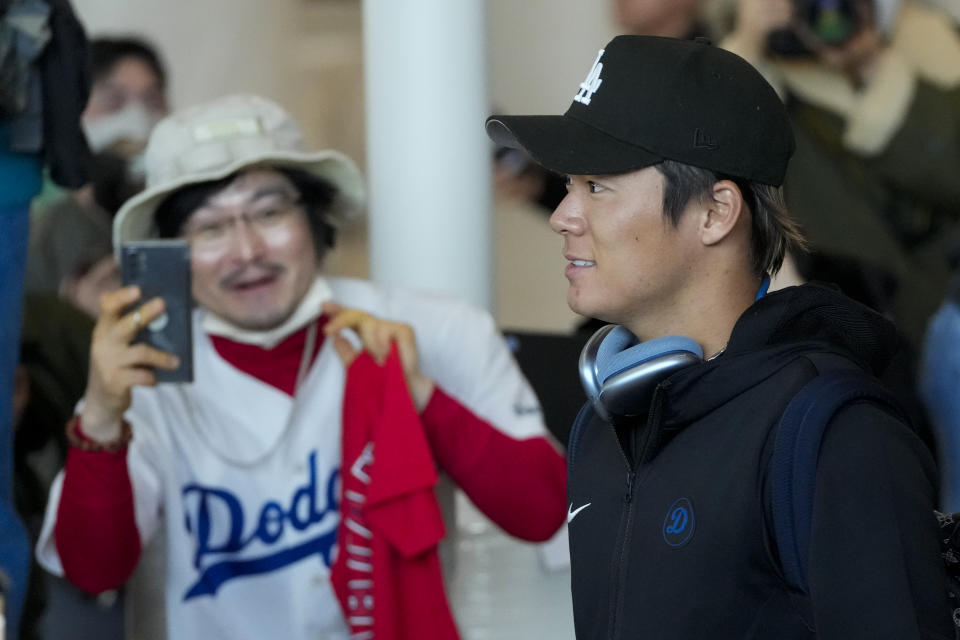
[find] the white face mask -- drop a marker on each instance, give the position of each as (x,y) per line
(887,11)
(133,123)
(137,167)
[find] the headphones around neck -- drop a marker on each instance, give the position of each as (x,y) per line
(619,373)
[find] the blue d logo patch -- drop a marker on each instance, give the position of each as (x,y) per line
(679,524)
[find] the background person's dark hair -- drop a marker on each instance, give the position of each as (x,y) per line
(773,231)
(316,194)
(552,186)
(106,52)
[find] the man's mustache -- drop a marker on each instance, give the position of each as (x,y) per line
(251,272)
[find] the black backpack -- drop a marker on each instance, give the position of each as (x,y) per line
(793,471)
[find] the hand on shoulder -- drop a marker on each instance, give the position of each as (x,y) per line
(376,336)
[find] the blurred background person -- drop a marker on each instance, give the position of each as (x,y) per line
(669,18)
(69,265)
(54,346)
(873,89)
(940,383)
(516,175)
(69,253)
(229,193)
(43,89)
(128,96)
(70,257)
(51,376)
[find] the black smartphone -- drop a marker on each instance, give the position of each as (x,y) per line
(161,268)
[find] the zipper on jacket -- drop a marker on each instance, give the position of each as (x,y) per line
(627,462)
(651,435)
(620,571)
(641,450)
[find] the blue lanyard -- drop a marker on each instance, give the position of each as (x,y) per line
(763,288)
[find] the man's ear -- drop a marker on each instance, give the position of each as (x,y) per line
(724,211)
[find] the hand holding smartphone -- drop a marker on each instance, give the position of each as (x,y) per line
(161,268)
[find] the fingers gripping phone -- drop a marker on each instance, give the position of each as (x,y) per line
(161,268)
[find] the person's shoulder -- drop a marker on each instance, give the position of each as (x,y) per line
(402,302)
(874,433)
(873,405)
(872,416)
(361,294)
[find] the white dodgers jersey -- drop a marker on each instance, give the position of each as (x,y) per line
(245,479)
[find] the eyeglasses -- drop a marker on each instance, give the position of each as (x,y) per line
(270,216)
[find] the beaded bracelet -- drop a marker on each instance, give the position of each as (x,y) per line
(77,438)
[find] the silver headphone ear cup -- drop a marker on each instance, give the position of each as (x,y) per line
(619,375)
(628,394)
(589,376)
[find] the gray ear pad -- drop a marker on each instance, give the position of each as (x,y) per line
(619,374)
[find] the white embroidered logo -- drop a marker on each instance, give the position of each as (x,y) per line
(572,513)
(589,86)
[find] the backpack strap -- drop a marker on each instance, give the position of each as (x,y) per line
(796,451)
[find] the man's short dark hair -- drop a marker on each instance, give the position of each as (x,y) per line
(773,231)
(316,195)
(105,53)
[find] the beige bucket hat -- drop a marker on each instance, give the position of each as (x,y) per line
(213,140)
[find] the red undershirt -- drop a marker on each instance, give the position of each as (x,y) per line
(519,484)
(278,366)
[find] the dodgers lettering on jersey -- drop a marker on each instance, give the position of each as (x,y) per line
(215,518)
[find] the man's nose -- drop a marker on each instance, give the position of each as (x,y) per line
(248,241)
(567,218)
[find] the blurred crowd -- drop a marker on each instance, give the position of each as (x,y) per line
(872,87)
(70,263)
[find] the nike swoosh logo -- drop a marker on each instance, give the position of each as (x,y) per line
(525,410)
(571,513)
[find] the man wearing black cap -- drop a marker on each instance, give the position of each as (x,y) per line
(673,222)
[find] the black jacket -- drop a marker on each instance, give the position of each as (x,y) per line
(57,88)
(64,75)
(673,538)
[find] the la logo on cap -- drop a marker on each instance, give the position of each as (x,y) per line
(589,86)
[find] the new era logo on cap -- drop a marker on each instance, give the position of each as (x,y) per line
(589,86)
(702,141)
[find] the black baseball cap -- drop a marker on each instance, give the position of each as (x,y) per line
(647,99)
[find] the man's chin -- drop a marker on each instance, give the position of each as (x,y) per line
(594,311)
(260,324)
(255,320)
(254,311)
(578,305)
